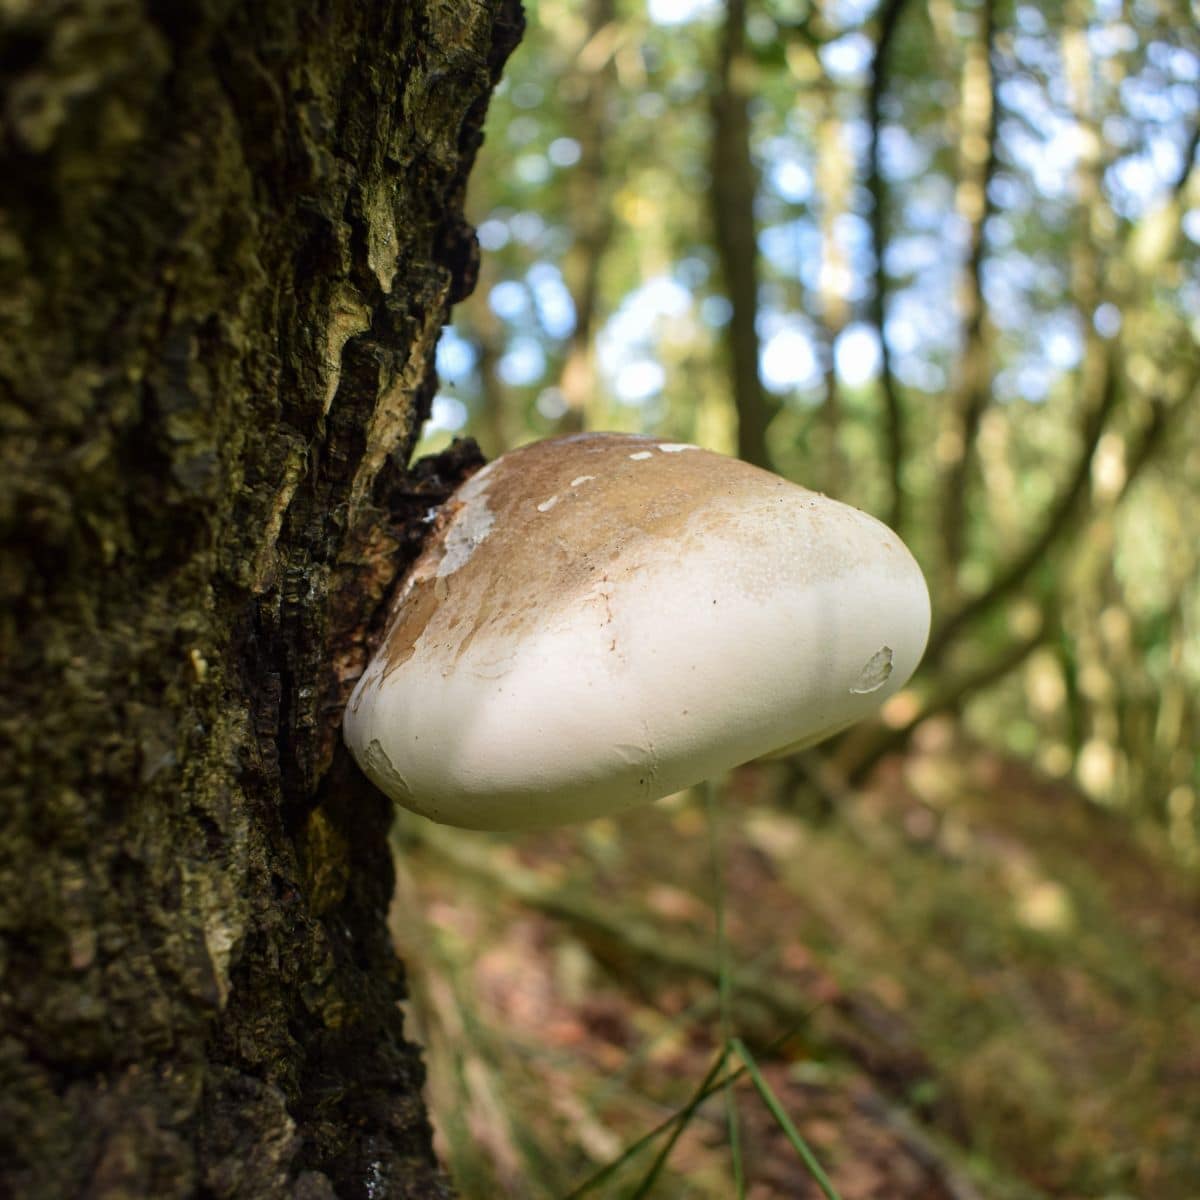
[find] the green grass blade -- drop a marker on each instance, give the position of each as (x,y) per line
(682,1120)
(785,1122)
(631,1151)
(724,980)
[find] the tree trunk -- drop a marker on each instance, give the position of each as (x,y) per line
(734,185)
(229,237)
(591,86)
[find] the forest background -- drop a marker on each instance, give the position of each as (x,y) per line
(941,262)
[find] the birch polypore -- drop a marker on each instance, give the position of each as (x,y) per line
(600,620)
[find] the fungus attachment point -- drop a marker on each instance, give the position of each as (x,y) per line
(680,614)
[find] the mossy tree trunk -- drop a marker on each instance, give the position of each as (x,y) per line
(229,236)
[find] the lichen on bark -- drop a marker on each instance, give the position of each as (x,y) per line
(229,237)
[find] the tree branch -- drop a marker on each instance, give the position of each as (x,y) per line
(1059,521)
(951,695)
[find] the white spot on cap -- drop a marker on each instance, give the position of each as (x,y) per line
(875,673)
(640,455)
(675,447)
(547,505)
(581,479)
(469,530)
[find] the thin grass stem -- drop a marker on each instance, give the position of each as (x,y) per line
(685,1117)
(785,1122)
(724,979)
(684,1114)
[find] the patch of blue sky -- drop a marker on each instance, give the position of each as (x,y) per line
(716,311)
(1009,283)
(793,249)
(693,271)
(846,14)
(853,236)
(785,173)
(1137,182)
(1049,156)
(1189,295)
(1118,132)
(921,374)
(856,138)
(551,300)
(1145,98)
(680,12)
(626,344)
(1107,320)
(928,207)
(1178,61)
(902,156)
(788,356)
(447,415)
(925,267)
(1061,339)
(1028,379)
(492,234)
(1110,38)
(1025,97)
(856,354)
(638,381)
(907,255)
(847,58)
(1009,192)
(455,355)
(564,152)
(1185,97)
(999,232)
(532,169)
(919,325)
(636,322)
(1029,19)
(523,363)
(509,300)
(527,227)
(1035,52)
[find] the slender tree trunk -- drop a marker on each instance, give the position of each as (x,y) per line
(978,126)
(590,195)
(229,237)
(734,184)
(888,17)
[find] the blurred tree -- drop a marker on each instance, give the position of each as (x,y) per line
(894,423)
(588,87)
(947,266)
(734,183)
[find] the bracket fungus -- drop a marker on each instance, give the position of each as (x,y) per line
(602,619)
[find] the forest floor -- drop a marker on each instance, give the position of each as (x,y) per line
(964,981)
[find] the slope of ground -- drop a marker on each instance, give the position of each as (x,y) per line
(963,981)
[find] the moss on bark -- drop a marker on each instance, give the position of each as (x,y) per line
(229,237)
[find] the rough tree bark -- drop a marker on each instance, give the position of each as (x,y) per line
(229,237)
